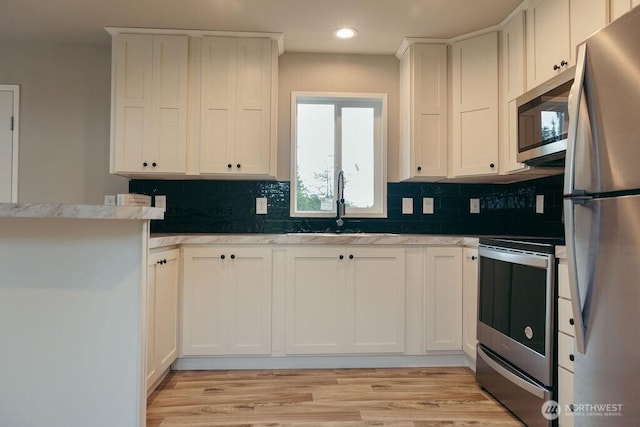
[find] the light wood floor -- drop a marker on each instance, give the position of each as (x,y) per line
(415,397)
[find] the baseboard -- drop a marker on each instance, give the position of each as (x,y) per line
(320,362)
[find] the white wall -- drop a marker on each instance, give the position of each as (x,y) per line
(64,121)
(338,73)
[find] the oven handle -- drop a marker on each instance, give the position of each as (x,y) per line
(516,379)
(540,261)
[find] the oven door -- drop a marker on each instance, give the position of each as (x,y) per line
(515,309)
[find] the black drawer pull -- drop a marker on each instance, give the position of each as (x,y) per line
(222,256)
(572,357)
(341,257)
(571,322)
(233,256)
(350,256)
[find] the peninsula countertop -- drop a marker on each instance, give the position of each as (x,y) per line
(78,211)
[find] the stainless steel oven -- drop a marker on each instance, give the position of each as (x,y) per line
(516,324)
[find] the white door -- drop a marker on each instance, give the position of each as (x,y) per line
(8,143)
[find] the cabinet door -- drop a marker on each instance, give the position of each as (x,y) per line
(470,301)
(513,85)
(132,103)
(203,301)
(150,103)
(475,106)
(226,301)
(375,313)
(166,309)
(548,40)
(168,146)
(316,300)
(443,298)
(247,302)
(423,83)
(151,313)
(586,17)
(565,397)
(218,105)
(253,119)
(620,7)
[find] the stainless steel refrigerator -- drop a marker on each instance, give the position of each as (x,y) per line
(602,224)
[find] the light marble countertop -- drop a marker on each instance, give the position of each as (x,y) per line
(72,211)
(159,241)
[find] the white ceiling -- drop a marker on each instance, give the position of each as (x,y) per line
(307,25)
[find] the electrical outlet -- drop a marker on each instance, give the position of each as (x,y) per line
(427,205)
(474,206)
(160,202)
(540,203)
(407,206)
(261,205)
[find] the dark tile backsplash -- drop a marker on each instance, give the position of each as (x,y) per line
(196,206)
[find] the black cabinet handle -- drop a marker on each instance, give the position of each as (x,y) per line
(229,165)
(222,256)
(571,322)
(556,67)
(154,164)
(233,256)
(144,164)
(419,168)
(159,262)
(238,165)
(491,165)
(563,63)
(341,257)
(572,357)
(473,257)
(350,256)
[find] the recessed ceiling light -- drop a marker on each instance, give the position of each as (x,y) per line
(345,33)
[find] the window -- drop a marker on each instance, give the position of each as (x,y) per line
(333,133)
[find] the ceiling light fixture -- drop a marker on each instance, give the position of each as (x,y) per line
(345,33)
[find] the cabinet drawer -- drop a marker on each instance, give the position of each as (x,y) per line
(563,281)
(565,317)
(565,397)
(566,351)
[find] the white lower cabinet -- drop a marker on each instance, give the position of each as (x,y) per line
(162,313)
(443,298)
(470,301)
(345,300)
(226,300)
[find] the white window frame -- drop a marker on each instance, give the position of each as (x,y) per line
(379,210)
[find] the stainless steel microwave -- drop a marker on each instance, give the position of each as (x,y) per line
(543,121)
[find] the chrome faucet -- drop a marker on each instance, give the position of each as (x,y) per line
(340,199)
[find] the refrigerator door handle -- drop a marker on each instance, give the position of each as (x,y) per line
(574,289)
(575,98)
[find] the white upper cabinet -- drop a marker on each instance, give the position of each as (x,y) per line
(149,104)
(423,112)
(513,85)
(193,103)
(475,106)
(620,7)
(237,106)
(554,29)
